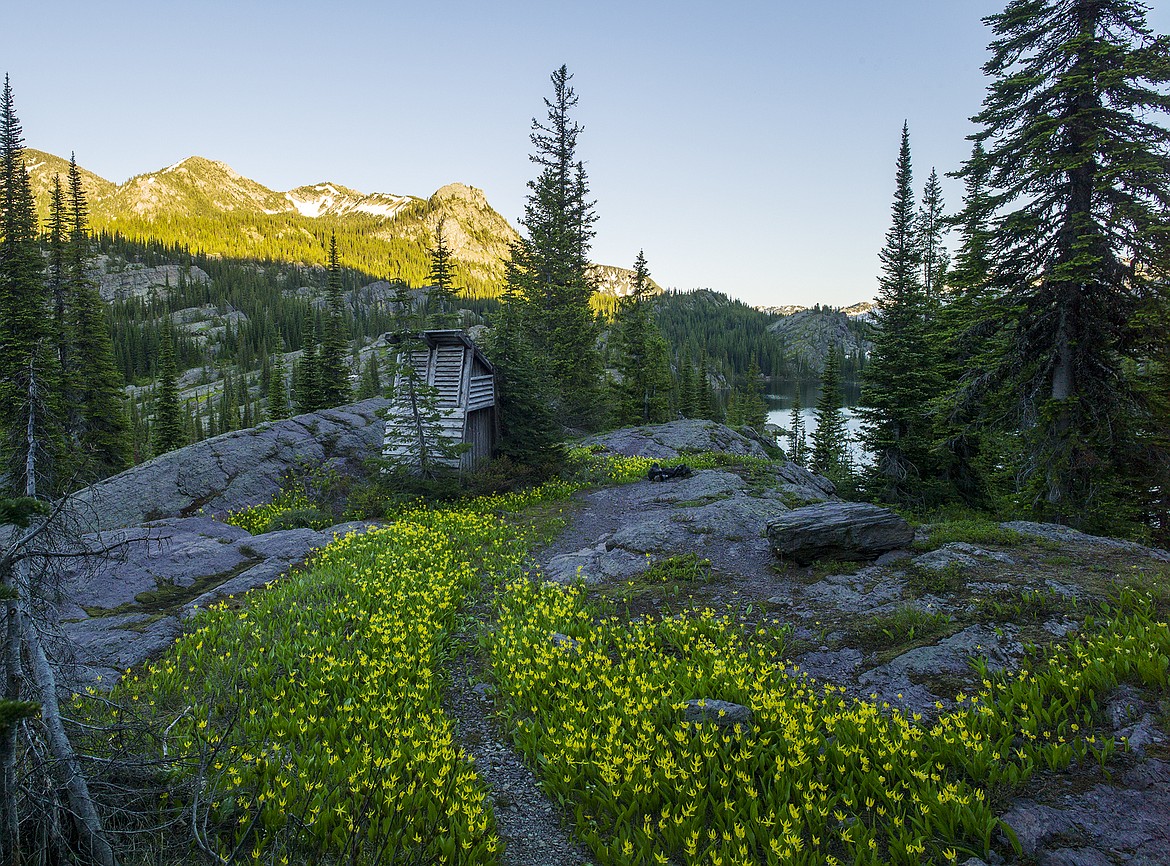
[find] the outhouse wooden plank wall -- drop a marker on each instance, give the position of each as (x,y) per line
(464,378)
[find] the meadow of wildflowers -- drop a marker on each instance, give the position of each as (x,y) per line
(317,705)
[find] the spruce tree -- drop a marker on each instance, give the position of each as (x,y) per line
(932,225)
(93,385)
(28,364)
(332,370)
(797,439)
(830,439)
(167,432)
(278,386)
(548,275)
(971,338)
(902,376)
(371,381)
(644,393)
(529,432)
(441,312)
(57,236)
(1080,156)
(307,373)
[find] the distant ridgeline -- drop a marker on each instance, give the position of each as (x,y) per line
(788,344)
(205,207)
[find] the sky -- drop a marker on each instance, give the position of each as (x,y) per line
(747,147)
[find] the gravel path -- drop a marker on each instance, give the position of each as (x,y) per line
(528,822)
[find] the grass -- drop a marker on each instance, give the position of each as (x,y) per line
(965,526)
(903,628)
(924,580)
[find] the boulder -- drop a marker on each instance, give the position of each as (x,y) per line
(675,439)
(235,470)
(723,713)
(838,530)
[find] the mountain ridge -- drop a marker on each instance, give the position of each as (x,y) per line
(206,205)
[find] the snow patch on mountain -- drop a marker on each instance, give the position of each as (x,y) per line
(331,199)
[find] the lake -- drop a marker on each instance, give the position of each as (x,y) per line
(780,411)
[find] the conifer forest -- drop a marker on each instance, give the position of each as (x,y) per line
(514,664)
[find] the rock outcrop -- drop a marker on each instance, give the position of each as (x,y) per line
(235,470)
(676,439)
(838,530)
(128,602)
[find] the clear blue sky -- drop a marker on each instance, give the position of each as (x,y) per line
(748,147)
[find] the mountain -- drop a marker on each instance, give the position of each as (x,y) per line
(207,206)
(808,333)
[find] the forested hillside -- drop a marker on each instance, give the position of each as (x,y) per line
(204,205)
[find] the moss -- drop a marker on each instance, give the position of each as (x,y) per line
(167,598)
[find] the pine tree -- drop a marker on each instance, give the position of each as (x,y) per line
(931,227)
(830,439)
(371,382)
(58,238)
(902,376)
(441,312)
(529,432)
(93,386)
(1072,126)
(971,338)
(689,404)
(332,371)
(278,386)
(307,373)
(642,355)
(797,440)
(547,277)
(167,432)
(28,369)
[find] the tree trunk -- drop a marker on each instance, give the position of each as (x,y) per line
(13,682)
(67,767)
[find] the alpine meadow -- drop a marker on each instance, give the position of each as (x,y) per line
(370,528)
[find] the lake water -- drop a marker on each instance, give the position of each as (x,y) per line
(780,411)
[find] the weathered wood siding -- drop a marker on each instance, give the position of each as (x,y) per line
(466,397)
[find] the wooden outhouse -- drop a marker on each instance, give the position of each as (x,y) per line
(461,392)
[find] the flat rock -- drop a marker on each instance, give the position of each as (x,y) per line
(867,590)
(1074,538)
(676,439)
(838,530)
(702,487)
(1128,824)
(961,554)
(953,654)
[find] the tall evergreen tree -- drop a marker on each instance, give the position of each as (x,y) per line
(902,376)
(548,277)
(931,227)
(167,431)
(57,236)
(830,439)
(971,337)
(441,312)
(278,386)
(307,388)
(1072,125)
(332,370)
(28,368)
(93,386)
(642,355)
(797,439)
